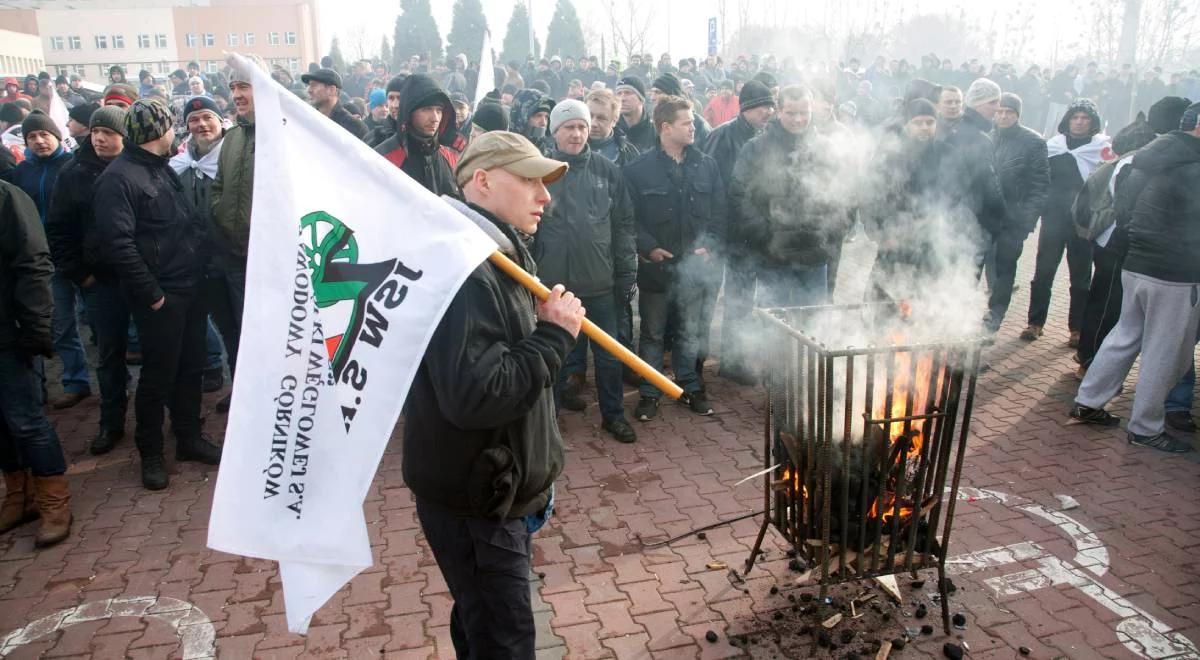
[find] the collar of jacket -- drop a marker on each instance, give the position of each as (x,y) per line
(576,160)
(777,133)
(505,237)
(972,117)
(86,153)
(245,122)
(690,155)
(743,127)
(137,154)
(59,152)
(1010,132)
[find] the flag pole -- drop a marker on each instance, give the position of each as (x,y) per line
(624,355)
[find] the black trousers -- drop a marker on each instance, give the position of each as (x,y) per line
(173,356)
(1058,234)
(738,323)
(486,566)
(1006,252)
(224,292)
(1103,303)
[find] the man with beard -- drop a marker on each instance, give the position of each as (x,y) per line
(587,244)
(74,245)
(680,206)
(1024,175)
(724,145)
(420,147)
(1074,154)
(324,90)
(635,118)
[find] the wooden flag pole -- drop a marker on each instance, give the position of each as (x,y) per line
(626,356)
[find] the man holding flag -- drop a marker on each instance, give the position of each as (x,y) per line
(481,443)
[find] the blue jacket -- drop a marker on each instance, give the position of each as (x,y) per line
(37,176)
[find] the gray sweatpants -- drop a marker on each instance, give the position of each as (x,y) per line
(1158,320)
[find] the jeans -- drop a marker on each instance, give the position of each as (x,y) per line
(794,286)
(1001,267)
(109,315)
(601,310)
(212,347)
(172,369)
(710,288)
(65,331)
(486,566)
(27,441)
(225,292)
(1182,396)
(682,298)
(1057,235)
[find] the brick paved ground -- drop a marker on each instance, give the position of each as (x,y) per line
(1123,559)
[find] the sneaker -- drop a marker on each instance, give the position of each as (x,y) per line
(213,380)
(1031,333)
(105,441)
(1073,340)
(224,403)
(200,450)
(1181,420)
(69,400)
(570,399)
(1097,416)
(698,402)
(154,473)
(620,429)
(1162,442)
(646,410)
(1080,372)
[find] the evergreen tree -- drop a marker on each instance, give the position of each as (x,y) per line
(385,51)
(565,38)
(416,32)
(516,37)
(335,54)
(466,31)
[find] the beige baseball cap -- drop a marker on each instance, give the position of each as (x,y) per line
(511,152)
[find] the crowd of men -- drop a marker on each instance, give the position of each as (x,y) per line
(681,181)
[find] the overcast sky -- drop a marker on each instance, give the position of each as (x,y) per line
(686,31)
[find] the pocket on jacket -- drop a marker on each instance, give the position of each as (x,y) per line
(493,482)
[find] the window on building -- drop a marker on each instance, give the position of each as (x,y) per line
(118,41)
(143,41)
(56,43)
(209,39)
(160,40)
(163,67)
(289,38)
(293,65)
(273,38)
(74,43)
(101,42)
(211,66)
(231,39)
(190,38)
(249,39)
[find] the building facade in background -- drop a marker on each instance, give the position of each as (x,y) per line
(87,37)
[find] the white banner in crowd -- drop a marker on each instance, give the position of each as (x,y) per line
(486,81)
(351,266)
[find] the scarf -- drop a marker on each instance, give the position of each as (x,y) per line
(205,166)
(1087,157)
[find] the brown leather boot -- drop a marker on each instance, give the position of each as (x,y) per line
(14,511)
(52,501)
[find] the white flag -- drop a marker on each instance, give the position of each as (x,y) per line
(487,76)
(58,113)
(351,266)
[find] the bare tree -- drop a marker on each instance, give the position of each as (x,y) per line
(630,23)
(358,44)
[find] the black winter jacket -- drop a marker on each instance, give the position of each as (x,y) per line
(480,434)
(342,117)
(776,219)
(679,208)
(973,182)
(616,148)
(726,142)
(25,271)
(587,240)
(1162,201)
(71,222)
(149,233)
(641,134)
(430,162)
(1024,172)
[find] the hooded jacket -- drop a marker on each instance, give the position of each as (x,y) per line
(233,191)
(430,162)
(527,103)
(71,222)
(973,181)
(480,435)
(776,218)
(1066,173)
(588,240)
(1162,203)
(149,233)
(1024,172)
(26,304)
(37,176)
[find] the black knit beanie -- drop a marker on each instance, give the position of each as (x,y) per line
(1166,112)
(754,94)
